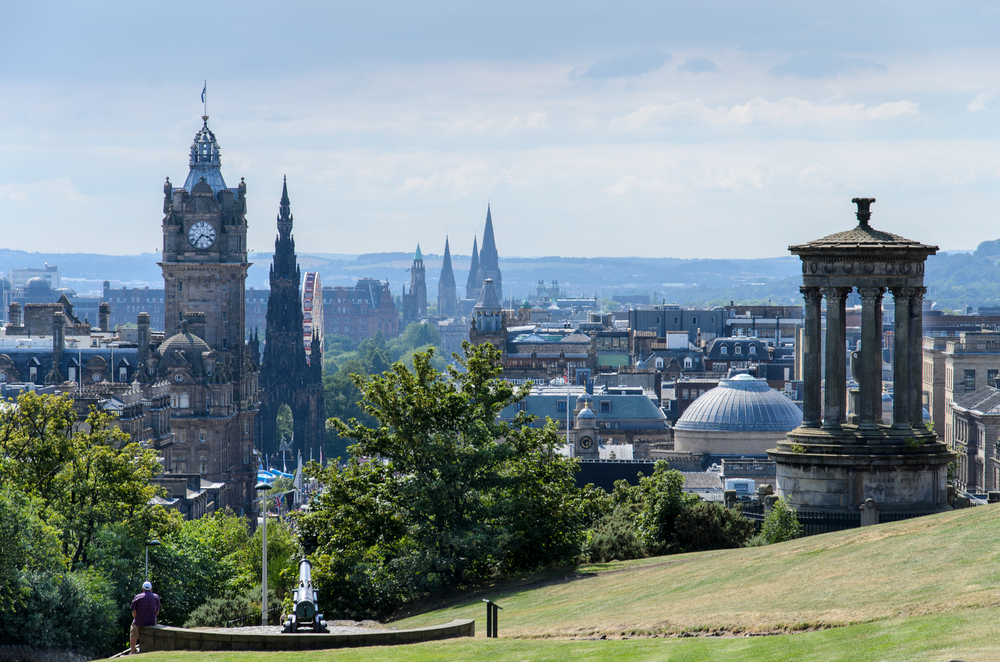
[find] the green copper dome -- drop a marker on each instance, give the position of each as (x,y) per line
(418,255)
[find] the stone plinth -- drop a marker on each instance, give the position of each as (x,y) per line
(900,470)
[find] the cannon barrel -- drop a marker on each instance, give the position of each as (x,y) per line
(306,598)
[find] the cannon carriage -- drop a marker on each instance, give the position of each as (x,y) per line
(305,613)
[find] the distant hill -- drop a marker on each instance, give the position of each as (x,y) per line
(954,279)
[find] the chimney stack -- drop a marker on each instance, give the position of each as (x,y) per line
(104,316)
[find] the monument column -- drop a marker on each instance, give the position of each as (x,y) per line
(812,378)
(834,408)
(916,366)
(901,359)
(871,356)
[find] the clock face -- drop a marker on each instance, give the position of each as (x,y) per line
(201,235)
(96,377)
(586,443)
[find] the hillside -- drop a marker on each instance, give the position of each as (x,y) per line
(924,589)
(933,565)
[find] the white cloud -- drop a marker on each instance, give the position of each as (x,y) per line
(979,103)
(14,193)
(759,110)
(529,121)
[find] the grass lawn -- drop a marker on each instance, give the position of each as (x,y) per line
(967,636)
(939,564)
(924,589)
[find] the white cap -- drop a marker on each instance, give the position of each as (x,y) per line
(146,586)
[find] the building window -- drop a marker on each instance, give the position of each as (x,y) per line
(123,375)
(32,373)
(753,349)
(686,394)
(185,401)
(72,374)
(560,406)
(677,320)
(688,363)
(202,435)
(659,363)
(180,464)
(180,286)
(723,350)
(605,405)
(991,378)
(173,401)
(738,349)
(969,383)
(203,464)
(694,320)
(246,453)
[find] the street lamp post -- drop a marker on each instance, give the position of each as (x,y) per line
(262,488)
(154,543)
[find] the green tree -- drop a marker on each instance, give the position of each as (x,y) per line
(781,524)
(452,492)
(106,481)
(663,500)
(36,442)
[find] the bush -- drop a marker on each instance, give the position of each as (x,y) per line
(615,537)
(781,524)
(231,608)
(707,525)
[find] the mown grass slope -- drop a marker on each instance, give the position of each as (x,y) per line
(931,565)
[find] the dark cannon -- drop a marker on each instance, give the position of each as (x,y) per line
(305,614)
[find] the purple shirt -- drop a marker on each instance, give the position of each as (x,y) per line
(146,606)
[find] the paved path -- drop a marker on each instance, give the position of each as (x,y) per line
(276,629)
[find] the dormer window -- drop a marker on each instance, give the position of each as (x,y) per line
(753,349)
(738,350)
(723,350)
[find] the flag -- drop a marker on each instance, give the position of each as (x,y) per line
(203,91)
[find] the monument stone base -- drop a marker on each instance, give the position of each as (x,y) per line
(901,470)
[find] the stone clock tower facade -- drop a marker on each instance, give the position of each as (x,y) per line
(212,373)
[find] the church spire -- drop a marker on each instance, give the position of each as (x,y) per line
(447,289)
(473,285)
(489,260)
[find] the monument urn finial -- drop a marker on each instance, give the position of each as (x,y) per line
(864,212)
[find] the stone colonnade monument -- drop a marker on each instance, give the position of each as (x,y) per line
(830,464)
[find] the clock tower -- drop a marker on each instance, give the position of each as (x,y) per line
(203,362)
(205,249)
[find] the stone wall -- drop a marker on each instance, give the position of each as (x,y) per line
(726,443)
(163,638)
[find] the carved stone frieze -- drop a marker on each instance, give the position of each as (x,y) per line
(848,267)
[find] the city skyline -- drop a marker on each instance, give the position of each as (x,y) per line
(711,131)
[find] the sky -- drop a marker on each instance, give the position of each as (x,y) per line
(659,129)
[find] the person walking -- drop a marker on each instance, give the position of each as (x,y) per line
(145,607)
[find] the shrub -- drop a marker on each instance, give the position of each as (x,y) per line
(615,537)
(781,524)
(705,525)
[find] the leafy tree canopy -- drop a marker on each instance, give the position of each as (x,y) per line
(438,489)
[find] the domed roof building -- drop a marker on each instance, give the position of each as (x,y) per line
(741,416)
